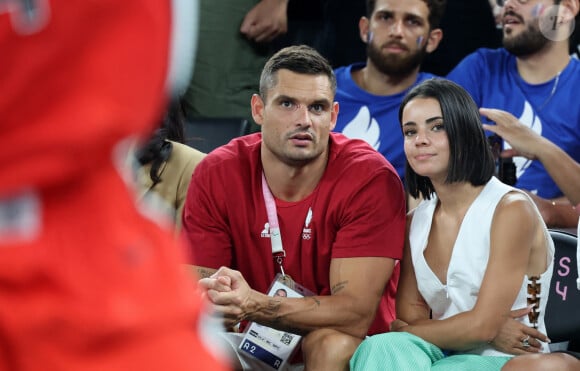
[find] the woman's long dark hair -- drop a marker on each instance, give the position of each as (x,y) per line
(157,150)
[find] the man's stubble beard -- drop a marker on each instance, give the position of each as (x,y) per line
(528,42)
(395,65)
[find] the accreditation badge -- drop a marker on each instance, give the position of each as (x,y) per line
(274,347)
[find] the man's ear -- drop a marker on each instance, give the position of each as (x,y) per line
(434,39)
(558,20)
(257,109)
(364,29)
(572,7)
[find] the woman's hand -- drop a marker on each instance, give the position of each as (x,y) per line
(516,338)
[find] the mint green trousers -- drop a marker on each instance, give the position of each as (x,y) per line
(402,351)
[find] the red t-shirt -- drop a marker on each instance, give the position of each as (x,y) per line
(358,210)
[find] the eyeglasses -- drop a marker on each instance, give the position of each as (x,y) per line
(502,2)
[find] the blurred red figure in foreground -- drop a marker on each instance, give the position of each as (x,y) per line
(86,281)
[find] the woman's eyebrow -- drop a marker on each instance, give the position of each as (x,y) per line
(435,118)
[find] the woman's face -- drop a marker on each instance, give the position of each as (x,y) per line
(425,139)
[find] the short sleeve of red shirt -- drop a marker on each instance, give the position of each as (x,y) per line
(203,224)
(218,180)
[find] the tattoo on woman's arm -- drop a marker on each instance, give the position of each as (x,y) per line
(338,287)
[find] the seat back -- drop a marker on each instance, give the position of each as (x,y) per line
(563,309)
(206,134)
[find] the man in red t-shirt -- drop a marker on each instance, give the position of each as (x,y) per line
(339,204)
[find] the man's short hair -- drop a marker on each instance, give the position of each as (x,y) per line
(436,10)
(470,156)
(301,59)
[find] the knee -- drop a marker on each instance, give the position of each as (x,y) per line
(328,349)
(522,362)
(383,343)
(553,361)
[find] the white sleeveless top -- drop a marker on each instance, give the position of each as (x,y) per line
(469,261)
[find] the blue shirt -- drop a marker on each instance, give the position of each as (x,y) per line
(372,118)
(552,109)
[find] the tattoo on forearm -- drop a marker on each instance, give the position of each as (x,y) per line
(272,309)
(273,306)
(338,287)
(204,273)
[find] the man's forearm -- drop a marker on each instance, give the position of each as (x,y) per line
(563,170)
(303,315)
(562,214)
(350,308)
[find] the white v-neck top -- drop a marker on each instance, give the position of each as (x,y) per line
(469,260)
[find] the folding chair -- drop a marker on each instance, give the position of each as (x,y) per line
(563,309)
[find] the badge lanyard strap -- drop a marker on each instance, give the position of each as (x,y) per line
(275,236)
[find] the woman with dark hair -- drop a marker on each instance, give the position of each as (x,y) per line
(166,165)
(466,265)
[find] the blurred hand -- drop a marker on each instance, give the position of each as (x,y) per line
(266,21)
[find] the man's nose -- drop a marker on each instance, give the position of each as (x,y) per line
(396,28)
(302,114)
(507,4)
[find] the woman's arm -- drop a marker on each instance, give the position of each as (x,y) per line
(410,304)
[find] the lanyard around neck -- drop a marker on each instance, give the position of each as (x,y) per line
(275,236)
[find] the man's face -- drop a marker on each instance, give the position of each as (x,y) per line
(398,36)
(297,117)
(521,29)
